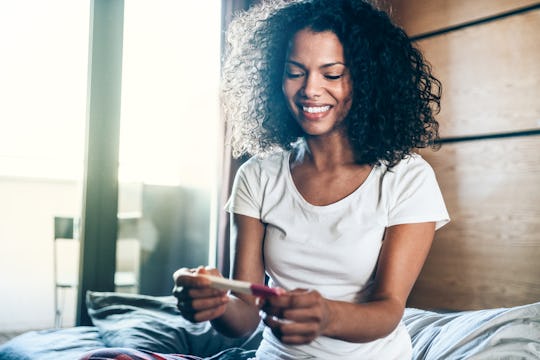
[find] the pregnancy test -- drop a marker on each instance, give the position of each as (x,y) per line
(243,287)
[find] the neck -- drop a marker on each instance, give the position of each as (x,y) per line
(325,153)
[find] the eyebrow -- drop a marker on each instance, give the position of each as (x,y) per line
(322,66)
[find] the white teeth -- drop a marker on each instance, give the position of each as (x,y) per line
(315,109)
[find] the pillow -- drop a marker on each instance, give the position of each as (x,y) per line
(503,333)
(52,344)
(154,324)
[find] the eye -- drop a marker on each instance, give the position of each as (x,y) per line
(293,74)
(333,77)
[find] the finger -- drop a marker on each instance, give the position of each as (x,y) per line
(191,280)
(207,295)
(294,298)
(281,301)
(209,314)
(291,333)
(206,315)
(275,305)
(273,323)
(203,304)
(272,310)
(305,298)
(302,315)
(278,316)
(309,308)
(298,333)
(194,305)
(211,271)
(200,270)
(207,307)
(203,292)
(189,277)
(182,271)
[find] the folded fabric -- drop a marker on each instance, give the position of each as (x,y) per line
(52,344)
(154,324)
(130,354)
(503,333)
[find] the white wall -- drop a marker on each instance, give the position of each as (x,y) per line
(27,209)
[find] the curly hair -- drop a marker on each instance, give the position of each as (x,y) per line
(394,96)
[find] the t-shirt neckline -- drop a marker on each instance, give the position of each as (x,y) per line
(321,208)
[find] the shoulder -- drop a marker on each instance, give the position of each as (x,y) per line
(412,171)
(412,165)
(257,175)
(263,165)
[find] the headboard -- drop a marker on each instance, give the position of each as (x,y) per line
(489,254)
(486,54)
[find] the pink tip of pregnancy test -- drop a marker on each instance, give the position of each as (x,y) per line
(261,290)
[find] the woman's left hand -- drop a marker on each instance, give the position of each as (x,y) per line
(296,317)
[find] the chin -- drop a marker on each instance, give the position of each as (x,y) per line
(317,132)
(317,129)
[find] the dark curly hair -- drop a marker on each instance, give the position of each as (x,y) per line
(395,96)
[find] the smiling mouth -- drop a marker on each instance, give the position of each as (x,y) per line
(315,109)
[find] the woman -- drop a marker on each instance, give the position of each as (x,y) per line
(331,98)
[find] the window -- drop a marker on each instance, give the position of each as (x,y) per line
(169,127)
(43,87)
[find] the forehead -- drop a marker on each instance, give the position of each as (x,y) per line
(321,46)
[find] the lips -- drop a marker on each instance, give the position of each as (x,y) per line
(314,111)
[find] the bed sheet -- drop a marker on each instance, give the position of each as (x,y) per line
(53,344)
(154,324)
(503,333)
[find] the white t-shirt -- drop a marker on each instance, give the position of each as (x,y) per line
(333,248)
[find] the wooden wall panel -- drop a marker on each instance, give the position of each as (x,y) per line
(489,254)
(420,16)
(490,75)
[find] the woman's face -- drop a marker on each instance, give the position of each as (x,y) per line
(316,83)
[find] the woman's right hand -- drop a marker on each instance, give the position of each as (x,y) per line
(197,301)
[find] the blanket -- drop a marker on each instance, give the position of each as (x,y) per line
(149,325)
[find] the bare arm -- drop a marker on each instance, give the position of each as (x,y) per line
(402,256)
(242,313)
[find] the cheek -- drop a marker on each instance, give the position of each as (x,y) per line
(347,90)
(288,92)
(346,96)
(348,100)
(346,104)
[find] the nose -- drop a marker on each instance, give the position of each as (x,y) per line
(312,86)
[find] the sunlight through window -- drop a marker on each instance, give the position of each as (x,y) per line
(170,85)
(43,72)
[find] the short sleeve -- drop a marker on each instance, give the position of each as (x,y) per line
(417,196)
(246,194)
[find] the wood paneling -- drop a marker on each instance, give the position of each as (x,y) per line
(420,16)
(489,254)
(490,75)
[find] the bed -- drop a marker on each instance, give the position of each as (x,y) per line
(148,323)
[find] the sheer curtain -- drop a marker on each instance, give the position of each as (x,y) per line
(229,165)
